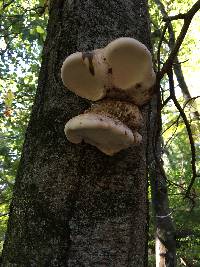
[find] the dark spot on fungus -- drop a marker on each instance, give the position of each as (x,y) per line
(89,56)
(151,90)
(110,71)
(138,85)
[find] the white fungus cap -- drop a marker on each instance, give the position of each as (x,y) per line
(107,134)
(85,74)
(124,64)
(131,63)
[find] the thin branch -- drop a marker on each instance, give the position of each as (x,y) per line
(187,20)
(160,44)
(180,62)
(172,135)
(189,131)
(5,5)
(176,17)
(171,43)
(174,122)
(184,16)
(165,102)
(184,106)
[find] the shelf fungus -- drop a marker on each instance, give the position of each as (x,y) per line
(109,125)
(119,77)
(121,70)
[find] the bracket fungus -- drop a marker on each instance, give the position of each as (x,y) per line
(120,78)
(122,70)
(109,125)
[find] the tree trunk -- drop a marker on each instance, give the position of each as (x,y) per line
(73,205)
(165,242)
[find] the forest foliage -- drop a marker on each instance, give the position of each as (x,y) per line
(22,34)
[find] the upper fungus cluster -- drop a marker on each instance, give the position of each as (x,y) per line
(119,78)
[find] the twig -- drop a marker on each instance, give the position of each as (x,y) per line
(171,44)
(189,131)
(184,106)
(165,102)
(184,16)
(160,44)
(175,17)
(187,20)
(180,62)
(172,136)
(5,5)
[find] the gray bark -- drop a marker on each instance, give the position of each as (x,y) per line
(165,246)
(72,205)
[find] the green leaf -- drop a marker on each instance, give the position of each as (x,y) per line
(40,30)
(9,98)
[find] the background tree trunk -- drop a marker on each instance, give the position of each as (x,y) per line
(72,205)
(165,241)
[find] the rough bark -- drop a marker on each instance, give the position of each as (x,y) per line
(72,205)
